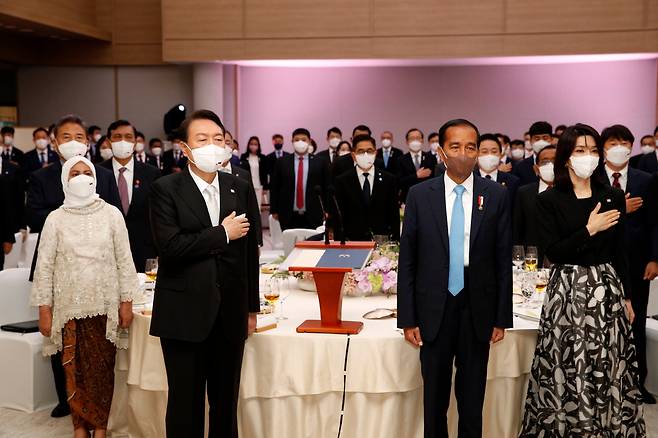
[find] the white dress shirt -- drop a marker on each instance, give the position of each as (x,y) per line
(493,175)
(254,168)
(128,174)
(467,203)
(362,179)
(417,156)
(542,186)
(212,202)
(623,179)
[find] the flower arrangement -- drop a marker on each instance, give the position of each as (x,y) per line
(379,275)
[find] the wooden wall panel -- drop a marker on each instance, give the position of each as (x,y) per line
(137,22)
(202,19)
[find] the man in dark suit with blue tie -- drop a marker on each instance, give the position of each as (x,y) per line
(388,154)
(455,280)
(641,232)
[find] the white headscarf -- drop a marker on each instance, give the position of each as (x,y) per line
(72,200)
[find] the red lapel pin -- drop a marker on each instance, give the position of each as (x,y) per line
(480,202)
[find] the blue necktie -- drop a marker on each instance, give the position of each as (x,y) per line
(456,274)
(386,158)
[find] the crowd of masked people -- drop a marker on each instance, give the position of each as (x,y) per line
(356,185)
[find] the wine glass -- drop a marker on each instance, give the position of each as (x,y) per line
(541,281)
(528,287)
(273,292)
(151,271)
(531,258)
(284,293)
(518,256)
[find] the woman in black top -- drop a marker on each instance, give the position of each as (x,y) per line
(584,379)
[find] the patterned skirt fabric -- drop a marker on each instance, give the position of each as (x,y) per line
(88,359)
(584,379)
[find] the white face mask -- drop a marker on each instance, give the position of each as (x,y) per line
(527,145)
(122,149)
(334,142)
(208,158)
(434,146)
(618,155)
(97,137)
(82,186)
(156,151)
(647,149)
(517,154)
(386,143)
(415,146)
(584,166)
(41,144)
(547,173)
(139,147)
(365,161)
(71,149)
(539,145)
(488,163)
(311,149)
(9,140)
(300,146)
(106,154)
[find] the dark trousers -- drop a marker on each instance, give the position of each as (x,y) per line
(456,341)
(193,367)
(298,221)
(60,377)
(640,301)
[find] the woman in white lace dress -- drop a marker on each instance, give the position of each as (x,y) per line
(84,284)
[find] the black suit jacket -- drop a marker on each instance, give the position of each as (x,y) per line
(525,171)
(33,162)
(380,217)
(263,168)
(6,219)
(272,159)
(168,161)
(137,220)
(392,159)
(15,181)
(282,189)
(407,172)
(635,160)
(425,259)
(524,223)
(17,157)
(325,156)
(507,180)
(246,175)
(153,161)
(648,163)
(201,276)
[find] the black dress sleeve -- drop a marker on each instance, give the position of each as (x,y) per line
(558,249)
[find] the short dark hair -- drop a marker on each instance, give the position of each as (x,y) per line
(540,128)
(503,136)
(334,129)
(432,135)
(655,131)
(545,148)
(254,138)
(7,130)
(517,142)
(69,118)
(301,131)
(117,124)
(345,142)
(202,114)
(93,128)
(275,136)
(361,128)
(492,137)
(406,136)
(617,132)
(39,129)
(140,134)
(362,137)
(646,136)
(565,147)
(457,122)
(560,128)
(154,141)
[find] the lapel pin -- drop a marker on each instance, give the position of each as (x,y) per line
(232,191)
(480,202)
(608,200)
(504,184)
(137,183)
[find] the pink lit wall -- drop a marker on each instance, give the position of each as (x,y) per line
(497,98)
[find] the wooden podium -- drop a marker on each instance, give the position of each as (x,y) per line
(329,284)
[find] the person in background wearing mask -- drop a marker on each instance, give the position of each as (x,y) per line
(647,146)
(524,223)
(527,143)
(233,147)
(388,155)
(140,145)
(364,197)
(46,194)
(489,155)
(93,138)
(293,198)
(40,156)
(278,152)
(649,162)
(256,163)
(334,138)
(516,152)
(133,180)
(559,129)
(9,151)
(415,166)
(541,134)
(345,162)
(174,160)
(455,280)
(505,160)
(344,148)
(206,296)
(104,148)
(81,311)
(155,157)
(7,235)
(433,140)
(312,147)
(641,232)
(585,364)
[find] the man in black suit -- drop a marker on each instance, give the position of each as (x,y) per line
(641,226)
(293,200)
(364,195)
(206,294)
(155,157)
(174,160)
(334,137)
(41,155)
(7,235)
(15,181)
(647,146)
(93,137)
(541,135)
(455,280)
(388,154)
(10,152)
(524,222)
(45,194)
(345,163)
(415,166)
(133,181)
(277,143)
(490,153)
(649,161)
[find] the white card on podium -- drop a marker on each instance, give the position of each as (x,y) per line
(302,258)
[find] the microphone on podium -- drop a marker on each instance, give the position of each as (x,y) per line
(332,192)
(318,192)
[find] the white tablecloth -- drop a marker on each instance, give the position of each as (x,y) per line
(292,384)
